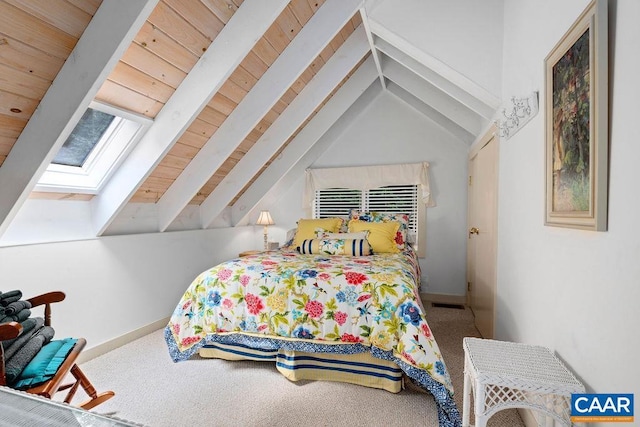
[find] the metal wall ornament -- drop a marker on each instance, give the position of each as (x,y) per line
(576,124)
(522,110)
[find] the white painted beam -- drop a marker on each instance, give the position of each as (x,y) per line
(374,51)
(222,57)
(323,83)
(358,91)
(445,85)
(309,158)
(302,50)
(442,121)
(101,45)
(435,65)
(432,96)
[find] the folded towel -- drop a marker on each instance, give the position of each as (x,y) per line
(15,307)
(7,298)
(22,315)
(15,365)
(34,324)
(19,317)
(27,326)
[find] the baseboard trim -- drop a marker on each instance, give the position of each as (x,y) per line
(444,298)
(105,347)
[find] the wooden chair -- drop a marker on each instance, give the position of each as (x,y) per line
(54,385)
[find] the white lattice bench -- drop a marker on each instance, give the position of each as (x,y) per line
(511,375)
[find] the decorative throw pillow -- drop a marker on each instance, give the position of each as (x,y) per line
(350,247)
(308,228)
(327,235)
(382,235)
(402,219)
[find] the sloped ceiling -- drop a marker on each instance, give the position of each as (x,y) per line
(241,93)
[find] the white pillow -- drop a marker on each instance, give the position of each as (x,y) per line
(355,236)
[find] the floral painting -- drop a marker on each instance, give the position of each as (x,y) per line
(576,117)
(571,172)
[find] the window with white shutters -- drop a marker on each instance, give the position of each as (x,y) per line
(392,189)
(338,202)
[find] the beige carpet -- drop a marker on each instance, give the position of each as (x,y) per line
(449,327)
(152,390)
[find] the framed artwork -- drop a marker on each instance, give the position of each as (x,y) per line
(576,124)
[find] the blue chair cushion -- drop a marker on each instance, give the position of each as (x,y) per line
(45,364)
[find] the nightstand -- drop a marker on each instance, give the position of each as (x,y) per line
(505,375)
(247,253)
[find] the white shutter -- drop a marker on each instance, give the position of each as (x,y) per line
(336,202)
(395,199)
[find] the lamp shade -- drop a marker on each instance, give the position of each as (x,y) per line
(265,219)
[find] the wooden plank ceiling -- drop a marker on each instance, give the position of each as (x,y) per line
(164,51)
(37,37)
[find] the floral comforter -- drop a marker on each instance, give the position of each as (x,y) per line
(338,304)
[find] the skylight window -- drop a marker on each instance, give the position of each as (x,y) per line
(100,141)
(84,137)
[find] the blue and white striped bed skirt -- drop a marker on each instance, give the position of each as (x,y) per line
(360,368)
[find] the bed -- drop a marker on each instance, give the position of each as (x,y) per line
(330,307)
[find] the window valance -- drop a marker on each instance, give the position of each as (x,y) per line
(368,177)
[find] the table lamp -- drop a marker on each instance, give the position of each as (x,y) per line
(265,220)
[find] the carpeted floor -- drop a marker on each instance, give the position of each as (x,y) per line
(152,390)
(450,326)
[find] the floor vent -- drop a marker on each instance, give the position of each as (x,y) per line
(445,305)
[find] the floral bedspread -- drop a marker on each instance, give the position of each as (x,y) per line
(334,303)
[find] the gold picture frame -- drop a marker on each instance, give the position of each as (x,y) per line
(576,124)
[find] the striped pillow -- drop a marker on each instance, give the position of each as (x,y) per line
(350,247)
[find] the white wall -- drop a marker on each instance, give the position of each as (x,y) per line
(40,221)
(464,34)
(573,291)
(46,221)
(389,131)
(115,285)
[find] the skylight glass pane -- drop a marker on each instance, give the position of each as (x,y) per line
(83,138)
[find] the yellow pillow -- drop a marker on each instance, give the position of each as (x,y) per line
(307,228)
(382,235)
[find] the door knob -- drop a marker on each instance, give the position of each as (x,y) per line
(473,230)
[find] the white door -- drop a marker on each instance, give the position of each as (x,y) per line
(482,242)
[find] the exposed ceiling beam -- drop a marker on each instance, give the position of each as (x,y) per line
(374,51)
(437,80)
(302,50)
(312,141)
(225,53)
(434,97)
(101,45)
(430,112)
(434,64)
(295,174)
(314,93)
